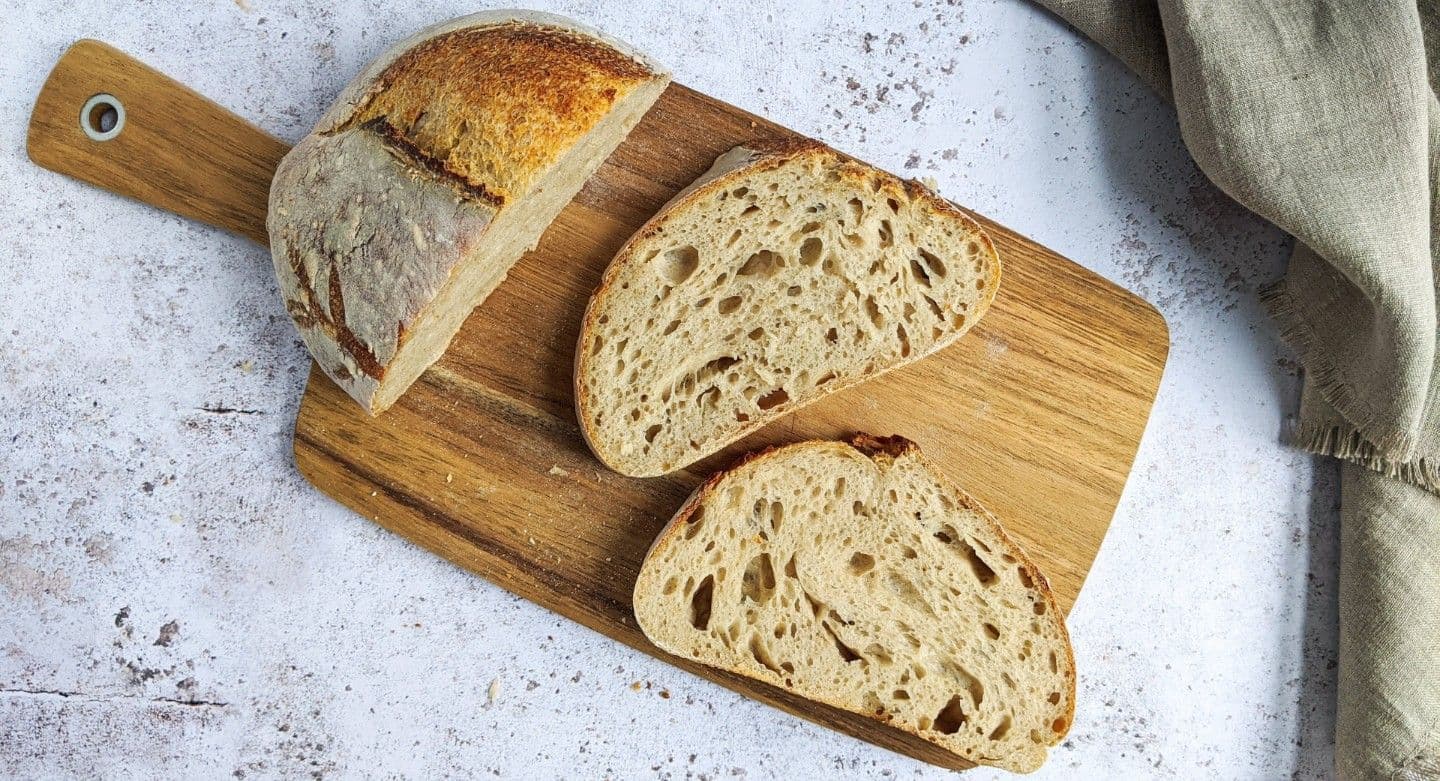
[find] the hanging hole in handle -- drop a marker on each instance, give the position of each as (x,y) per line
(103,117)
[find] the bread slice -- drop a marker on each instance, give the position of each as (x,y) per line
(854,575)
(782,275)
(435,170)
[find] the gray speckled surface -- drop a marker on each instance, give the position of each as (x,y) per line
(178,602)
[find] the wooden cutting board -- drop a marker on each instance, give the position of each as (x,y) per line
(1037,412)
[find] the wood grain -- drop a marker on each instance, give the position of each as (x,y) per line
(177,150)
(1037,412)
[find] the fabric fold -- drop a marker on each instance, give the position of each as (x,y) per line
(1322,118)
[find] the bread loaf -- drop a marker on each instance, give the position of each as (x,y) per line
(854,575)
(435,170)
(784,274)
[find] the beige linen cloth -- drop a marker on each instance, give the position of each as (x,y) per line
(1322,118)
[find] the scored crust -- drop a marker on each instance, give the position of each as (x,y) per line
(885,453)
(731,169)
(419,167)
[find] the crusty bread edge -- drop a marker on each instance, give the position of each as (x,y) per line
(766,155)
(358,91)
(874,448)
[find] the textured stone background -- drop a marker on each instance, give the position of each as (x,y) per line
(176,601)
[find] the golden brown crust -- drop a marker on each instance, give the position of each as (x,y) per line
(492,106)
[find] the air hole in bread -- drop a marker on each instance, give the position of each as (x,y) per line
(980,283)
(773,399)
(749,210)
(828,376)
(703,302)
(1025,579)
(908,552)
(729,305)
(692,525)
(758,583)
(709,398)
(918,272)
(886,233)
(762,654)
(790,569)
(810,250)
(816,606)
(991,632)
(857,210)
(700,603)
(1054,663)
(651,433)
(951,717)
(676,265)
(756,334)
(847,654)
(670,329)
(734,237)
(982,571)
(670,586)
(1039,607)
(1002,729)
(861,563)
(1058,726)
(1054,698)
(904,341)
(933,263)
(763,264)
(893,204)
(740,192)
(879,653)
(872,311)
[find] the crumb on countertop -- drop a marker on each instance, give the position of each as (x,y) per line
(555,469)
(494,692)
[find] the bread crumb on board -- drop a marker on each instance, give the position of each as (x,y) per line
(449,477)
(555,469)
(494,692)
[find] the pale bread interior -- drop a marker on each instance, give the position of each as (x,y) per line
(513,231)
(868,583)
(762,291)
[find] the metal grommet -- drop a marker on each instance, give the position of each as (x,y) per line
(103,117)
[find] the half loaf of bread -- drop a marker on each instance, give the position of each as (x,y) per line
(435,170)
(854,575)
(780,276)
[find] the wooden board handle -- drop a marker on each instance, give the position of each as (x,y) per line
(171,147)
